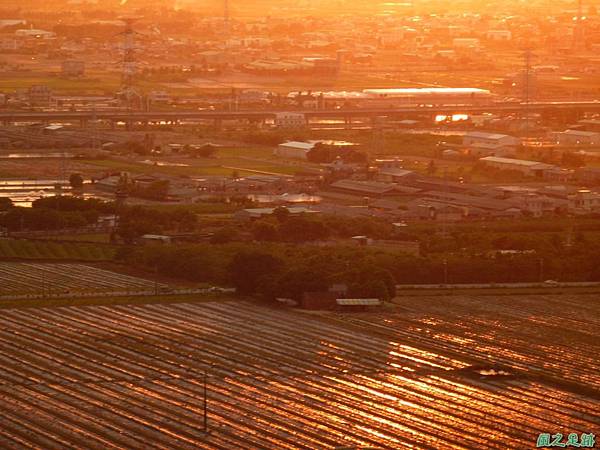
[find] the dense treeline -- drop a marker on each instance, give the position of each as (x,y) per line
(135,221)
(280,227)
(325,153)
(279,270)
(53,213)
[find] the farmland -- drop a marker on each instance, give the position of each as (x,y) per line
(26,278)
(36,250)
(407,377)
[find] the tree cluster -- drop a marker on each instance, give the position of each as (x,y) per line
(325,153)
(278,270)
(157,190)
(135,221)
(53,213)
(281,227)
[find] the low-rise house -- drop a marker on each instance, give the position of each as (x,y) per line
(431,210)
(480,150)
(389,163)
(578,137)
(32,33)
(155,239)
(394,175)
(10,44)
(590,125)
(558,174)
(466,43)
(39,95)
(258,213)
(590,175)
(499,35)
(110,183)
(159,97)
(290,120)
(584,201)
(479,143)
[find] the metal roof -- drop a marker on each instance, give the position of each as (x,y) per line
(484,135)
(517,162)
(372,187)
(298,145)
(358,301)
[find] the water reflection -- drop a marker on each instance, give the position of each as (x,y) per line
(285,198)
(24,192)
(37,155)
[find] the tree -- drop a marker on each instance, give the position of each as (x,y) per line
(263,230)
(5,203)
(206,151)
(157,190)
(76,181)
(224,235)
(302,229)
(281,213)
(298,281)
(248,269)
(137,147)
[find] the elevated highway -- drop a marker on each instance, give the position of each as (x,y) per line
(9,117)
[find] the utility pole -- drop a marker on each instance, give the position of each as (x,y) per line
(578,33)
(205,418)
(226,17)
(43,280)
(156,279)
(527,86)
(445,271)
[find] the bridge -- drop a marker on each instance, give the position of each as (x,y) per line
(8,117)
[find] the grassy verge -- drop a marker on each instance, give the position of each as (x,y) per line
(103,238)
(496,291)
(218,167)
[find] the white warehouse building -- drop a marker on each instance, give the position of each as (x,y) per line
(294,149)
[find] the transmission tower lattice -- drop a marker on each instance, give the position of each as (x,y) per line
(129,64)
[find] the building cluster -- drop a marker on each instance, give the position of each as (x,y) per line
(305,46)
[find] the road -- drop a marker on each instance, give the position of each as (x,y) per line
(412,111)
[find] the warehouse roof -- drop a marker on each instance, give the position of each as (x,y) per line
(365,187)
(358,301)
(484,135)
(517,162)
(425,91)
(298,144)
(395,172)
(581,133)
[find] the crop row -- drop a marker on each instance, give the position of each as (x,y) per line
(132,377)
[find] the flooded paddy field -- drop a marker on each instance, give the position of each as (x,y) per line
(433,373)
